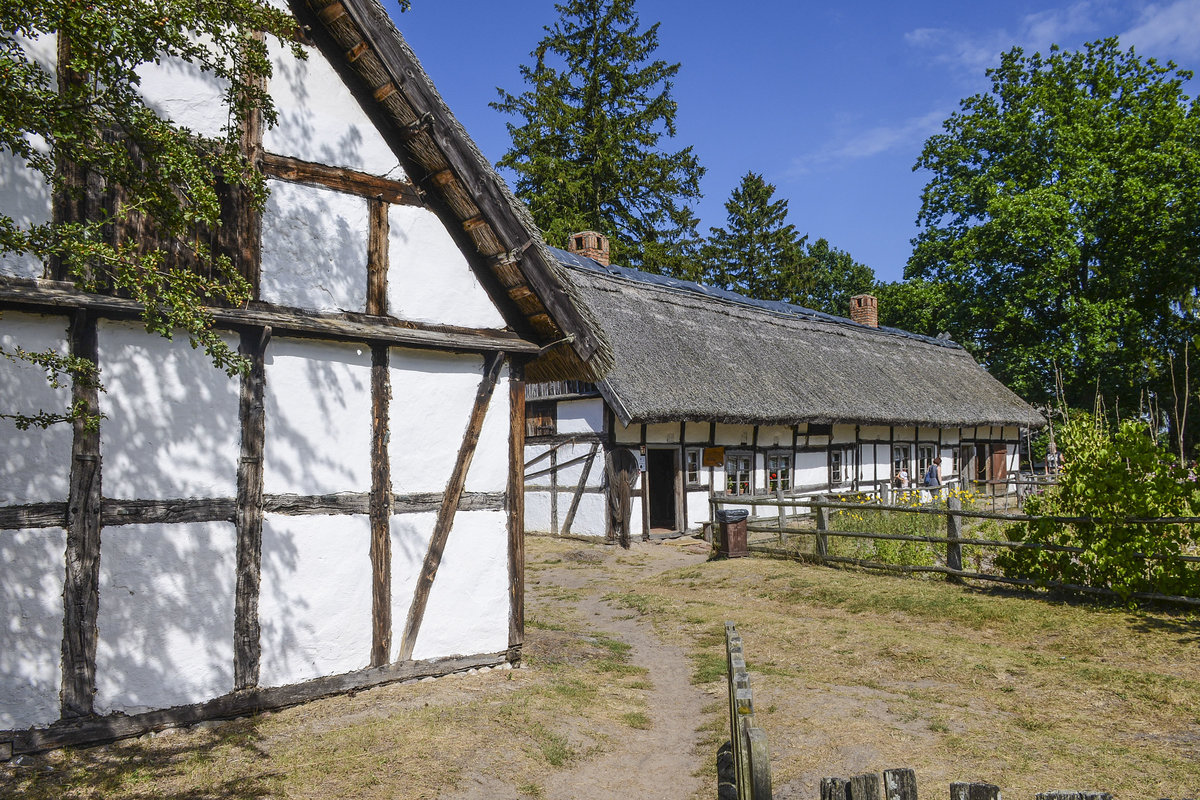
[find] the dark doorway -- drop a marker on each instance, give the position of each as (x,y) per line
(660,474)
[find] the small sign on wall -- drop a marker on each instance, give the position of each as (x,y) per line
(713,457)
(641,457)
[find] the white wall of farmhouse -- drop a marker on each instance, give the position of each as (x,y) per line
(26,199)
(315,601)
(581,416)
(320,121)
(36,463)
(166,615)
(31,613)
(170,427)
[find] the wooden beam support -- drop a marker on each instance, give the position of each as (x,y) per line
(41,295)
(516,504)
(349,181)
(449,507)
(33,515)
(583,478)
(381,511)
(249,512)
(377,258)
(81,591)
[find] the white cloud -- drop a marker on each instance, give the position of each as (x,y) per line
(1167,30)
(908,134)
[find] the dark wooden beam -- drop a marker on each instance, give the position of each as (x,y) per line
(516,504)
(146,512)
(380,510)
(377,259)
(81,591)
(247,646)
(98,730)
(40,295)
(248,219)
(33,515)
(349,181)
(449,507)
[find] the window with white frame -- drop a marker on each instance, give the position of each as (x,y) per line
(693,460)
(779,471)
(841,465)
(925,456)
(739,473)
(900,457)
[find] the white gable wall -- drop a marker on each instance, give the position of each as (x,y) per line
(31,625)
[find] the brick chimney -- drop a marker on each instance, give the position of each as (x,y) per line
(864,309)
(591,244)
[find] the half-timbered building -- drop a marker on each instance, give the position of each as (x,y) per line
(346,514)
(712,391)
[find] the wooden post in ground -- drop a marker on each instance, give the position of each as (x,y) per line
(954,534)
(782,511)
(974,791)
(822,526)
(834,788)
(899,784)
(864,787)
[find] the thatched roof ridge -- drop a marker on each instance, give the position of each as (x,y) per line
(688,352)
(493,228)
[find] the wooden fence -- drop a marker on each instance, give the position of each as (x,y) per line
(788,527)
(901,784)
(751,760)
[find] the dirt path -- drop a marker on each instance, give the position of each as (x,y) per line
(660,762)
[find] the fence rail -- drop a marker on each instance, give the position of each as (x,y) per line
(751,760)
(787,527)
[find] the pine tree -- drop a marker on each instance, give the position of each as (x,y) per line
(756,253)
(587,152)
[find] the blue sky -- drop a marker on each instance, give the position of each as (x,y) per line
(831,102)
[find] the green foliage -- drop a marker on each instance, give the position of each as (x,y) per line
(587,150)
(757,253)
(1066,201)
(836,277)
(86,130)
(914,305)
(1110,475)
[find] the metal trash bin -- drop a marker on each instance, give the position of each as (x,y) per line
(732,522)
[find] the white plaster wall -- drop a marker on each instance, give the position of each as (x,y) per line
(818,441)
(581,416)
(537,511)
(591,519)
(812,469)
(469,605)
(36,463)
(489,466)
(950,435)
(410,534)
(568,476)
(432,397)
(26,198)
(696,432)
(880,432)
(182,93)
(318,418)
(31,620)
(429,279)
(165,626)
(314,248)
(905,433)
(636,526)
(843,434)
(171,426)
(1012,433)
(319,119)
(698,510)
(631,434)
(663,432)
(734,434)
(774,436)
(531,453)
(315,605)
(927,434)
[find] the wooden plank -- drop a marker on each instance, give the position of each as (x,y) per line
(516,504)
(974,791)
(834,788)
(863,787)
(33,515)
(249,512)
(899,784)
(380,510)
(98,730)
(348,181)
(248,220)
(40,295)
(449,507)
(587,470)
(322,504)
(81,590)
(377,258)
(148,512)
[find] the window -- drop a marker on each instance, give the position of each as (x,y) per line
(739,473)
(900,457)
(779,471)
(693,461)
(925,456)
(841,465)
(540,419)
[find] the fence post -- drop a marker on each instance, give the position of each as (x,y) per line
(822,526)
(953,533)
(782,514)
(899,784)
(834,788)
(864,787)
(974,791)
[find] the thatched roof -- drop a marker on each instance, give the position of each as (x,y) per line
(493,228)
(689,352)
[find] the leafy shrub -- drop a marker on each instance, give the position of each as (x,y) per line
(1110,475)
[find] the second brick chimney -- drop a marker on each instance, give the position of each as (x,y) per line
(591,244)
(864,309)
